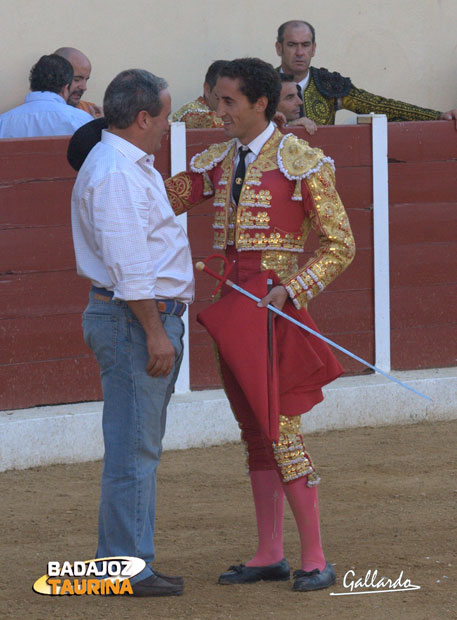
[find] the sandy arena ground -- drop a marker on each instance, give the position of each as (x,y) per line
(387,502)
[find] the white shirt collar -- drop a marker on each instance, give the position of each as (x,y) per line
(303,83)
(44,95)
(128,149)
(258,142)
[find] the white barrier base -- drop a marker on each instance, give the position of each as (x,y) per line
(72,433)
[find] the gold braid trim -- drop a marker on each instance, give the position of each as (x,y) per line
(321,109)
(197,115)
(208,159)
(363,102)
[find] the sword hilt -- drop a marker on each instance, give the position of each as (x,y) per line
(202,266)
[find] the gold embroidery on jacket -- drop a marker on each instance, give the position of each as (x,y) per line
(337,248)
(322,109)
(179,190)
(284,264)
(250,198)
(247,219)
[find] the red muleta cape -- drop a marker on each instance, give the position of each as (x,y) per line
(302,363)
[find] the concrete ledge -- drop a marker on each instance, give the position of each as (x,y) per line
(372,400)
(72,433)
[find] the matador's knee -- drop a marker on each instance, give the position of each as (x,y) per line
(258,449)
(290,453)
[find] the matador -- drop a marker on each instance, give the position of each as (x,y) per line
(269,190)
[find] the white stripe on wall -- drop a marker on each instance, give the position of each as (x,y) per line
(178,164)
(380,238)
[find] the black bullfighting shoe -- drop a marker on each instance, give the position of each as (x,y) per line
(250,574)
(305,581)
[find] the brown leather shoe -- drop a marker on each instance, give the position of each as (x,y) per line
(176,580)
(156,586)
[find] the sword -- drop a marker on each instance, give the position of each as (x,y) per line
(202,266)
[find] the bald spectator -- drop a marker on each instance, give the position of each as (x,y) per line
(81,70)
(201,113)
(45,111)
(291,105)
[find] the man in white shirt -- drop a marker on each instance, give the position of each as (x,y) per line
(129,244)
(45,111)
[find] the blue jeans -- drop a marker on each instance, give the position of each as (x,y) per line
(134,418)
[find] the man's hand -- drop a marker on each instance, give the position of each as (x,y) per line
(160,349)
(276,297)
(448,116)
(161,355)
(305,122)
(95,110)
(280,120)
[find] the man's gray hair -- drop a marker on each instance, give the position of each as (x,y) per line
(130,92)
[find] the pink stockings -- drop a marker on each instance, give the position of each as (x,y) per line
(304,505)
(268,487)
(268,491)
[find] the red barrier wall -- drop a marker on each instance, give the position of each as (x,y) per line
(43,359)
(423,244)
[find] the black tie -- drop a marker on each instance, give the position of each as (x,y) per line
(240,173)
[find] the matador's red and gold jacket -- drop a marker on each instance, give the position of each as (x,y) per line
(287,190)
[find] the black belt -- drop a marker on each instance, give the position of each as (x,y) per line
(165,306)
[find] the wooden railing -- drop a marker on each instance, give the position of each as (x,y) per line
(43,359)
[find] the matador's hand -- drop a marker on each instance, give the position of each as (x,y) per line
(276,297)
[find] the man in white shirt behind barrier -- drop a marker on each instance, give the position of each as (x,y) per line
(45,111)
(129,244)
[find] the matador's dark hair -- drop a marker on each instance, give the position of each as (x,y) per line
(257,79)
(213,72)
(286,77)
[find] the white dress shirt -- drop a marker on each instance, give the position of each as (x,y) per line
(255,146)
(126,237)
(42,114)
